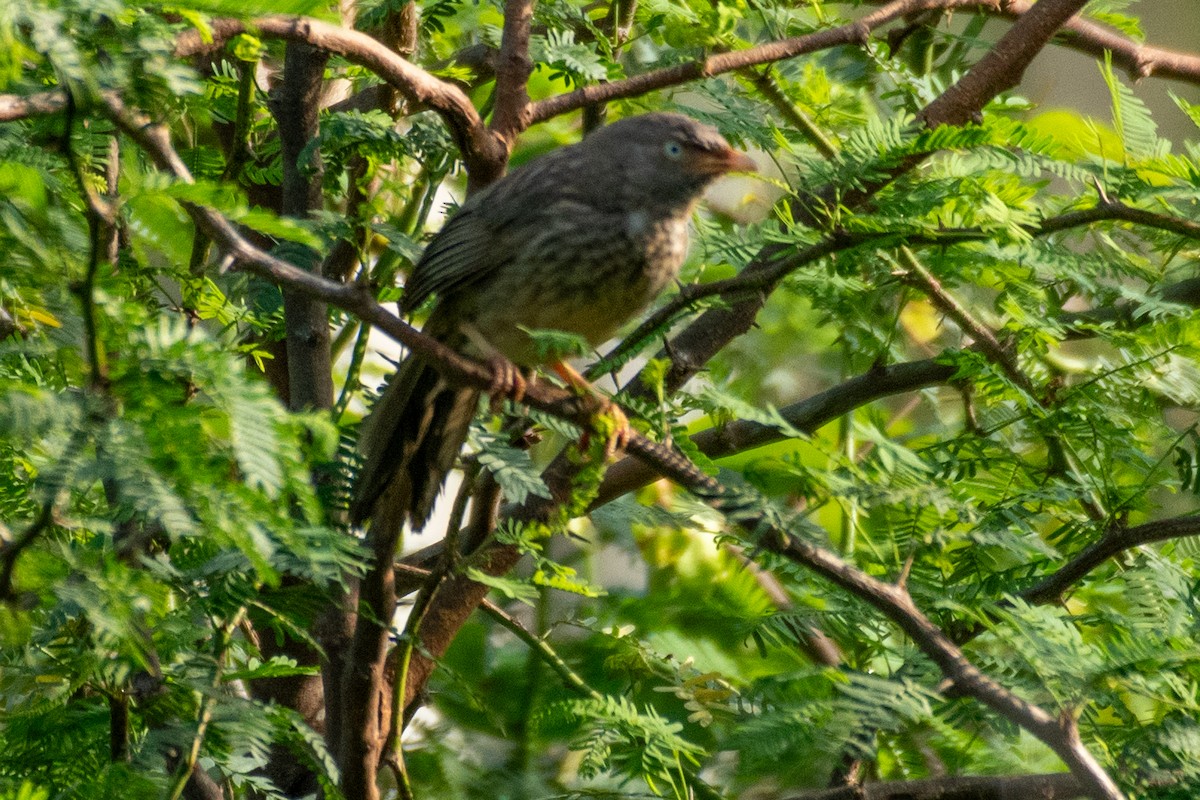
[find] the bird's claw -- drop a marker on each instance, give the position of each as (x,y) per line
(617,431)
(507,382)
(621,432)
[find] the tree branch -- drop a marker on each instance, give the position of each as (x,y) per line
(1116,539)
(1140,60)
(1003,65)
(483,152)
(717,64)
(309,358)
(1054,786)
(985,339)
(808,415)
(11,550)
(513,68)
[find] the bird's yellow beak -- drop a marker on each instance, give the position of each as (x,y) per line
(718,162)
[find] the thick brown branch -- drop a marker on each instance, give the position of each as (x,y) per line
(309,370)
(513,68)
(483,152)
(1141,60)
(1003,65)
(295,105)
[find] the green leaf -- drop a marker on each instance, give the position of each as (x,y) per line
(509,587)
(1131,117)
(512,468)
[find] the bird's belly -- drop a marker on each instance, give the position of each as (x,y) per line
(593,299)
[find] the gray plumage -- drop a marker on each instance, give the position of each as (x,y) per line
(579,240)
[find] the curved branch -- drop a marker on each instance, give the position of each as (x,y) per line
(11,550)
(483,152)
(852,33)
(808,415)
(1060,734)
(1116,540)
(1141,60)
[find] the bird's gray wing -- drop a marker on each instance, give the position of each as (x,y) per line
(460,252)
(490,227)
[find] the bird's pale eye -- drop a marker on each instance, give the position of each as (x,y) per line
(673,149)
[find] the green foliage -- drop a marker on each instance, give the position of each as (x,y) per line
(171,526)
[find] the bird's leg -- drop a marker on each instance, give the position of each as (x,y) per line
(507,380)
(619,437)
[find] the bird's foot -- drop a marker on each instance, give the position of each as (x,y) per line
(616,429)
(508,383)
(611,419)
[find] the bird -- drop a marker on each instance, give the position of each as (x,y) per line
(580,240)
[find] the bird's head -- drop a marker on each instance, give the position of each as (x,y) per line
(668,157)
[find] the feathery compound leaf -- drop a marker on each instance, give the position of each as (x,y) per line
(253,436)
(617,735)
(512,468)
(1131,117)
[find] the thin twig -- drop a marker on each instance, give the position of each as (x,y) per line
(11,550)
(985,338)
(765,82)
(544,651)
(208,702)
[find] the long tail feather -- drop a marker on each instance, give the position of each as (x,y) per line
(411,439)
